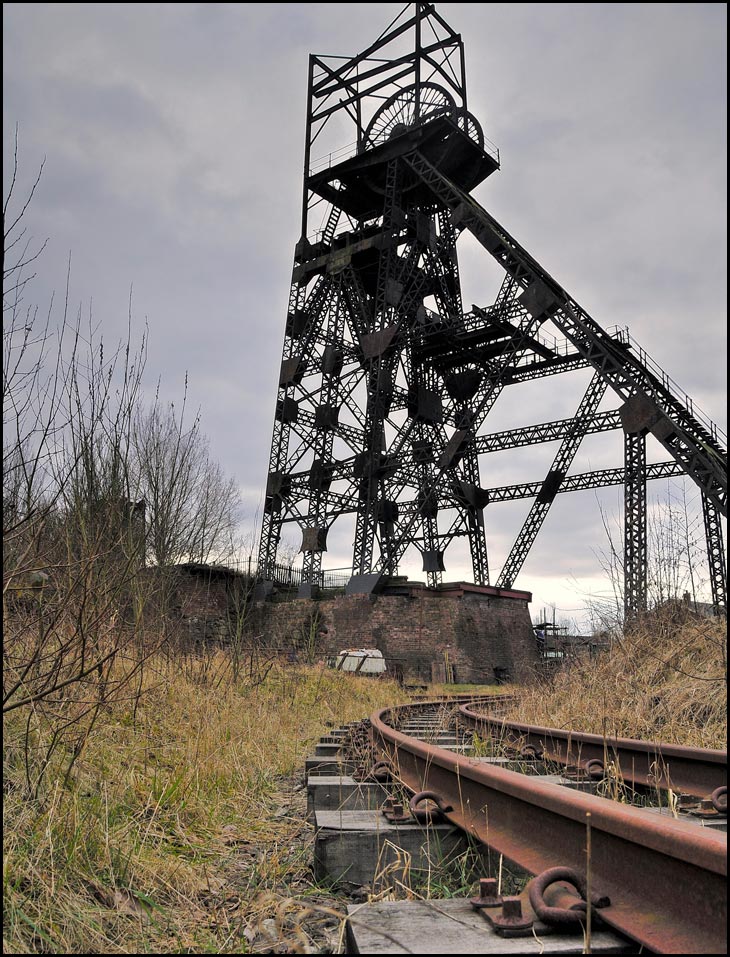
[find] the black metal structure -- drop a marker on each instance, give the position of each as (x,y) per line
(387,381)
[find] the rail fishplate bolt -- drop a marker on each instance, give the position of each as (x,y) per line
(381,771)
(426,815)
(511,918)
(488,896)
(707,808)
(595,769)
(563,917)
(686,801)
(719,799)
(394,812)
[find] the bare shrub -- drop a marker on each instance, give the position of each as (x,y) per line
(93,486)
(74,632)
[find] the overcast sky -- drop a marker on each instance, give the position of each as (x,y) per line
(173,138)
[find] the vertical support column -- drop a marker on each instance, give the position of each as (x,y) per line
(428,507)
(323,440)
(715,555)
(276,481)
(475,519)
(635,562)
(379,373)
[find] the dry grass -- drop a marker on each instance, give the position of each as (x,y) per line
(667,683)
(177,830)
(174,832)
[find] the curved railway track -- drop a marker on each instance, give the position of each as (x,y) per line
(691,772)
(664,873)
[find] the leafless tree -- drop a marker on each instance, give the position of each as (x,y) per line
(81,617)
(73,635)
(676,558)
(193,509)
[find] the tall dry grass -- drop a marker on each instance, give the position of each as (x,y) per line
(171,823)
(174,831)
(664,682)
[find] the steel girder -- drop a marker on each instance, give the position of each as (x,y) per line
(667,413)
(635,558)
(579,482)
(559,429)
(386,383)
(715,556)
(582,481)
(550,487)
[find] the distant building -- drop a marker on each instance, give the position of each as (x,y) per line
(683,609)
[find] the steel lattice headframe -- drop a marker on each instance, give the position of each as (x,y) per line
(386,381)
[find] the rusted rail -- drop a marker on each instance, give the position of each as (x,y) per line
(648,764)
(665,878)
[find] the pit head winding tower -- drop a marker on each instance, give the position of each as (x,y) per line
(387,381)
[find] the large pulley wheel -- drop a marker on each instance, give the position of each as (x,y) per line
(471,127)
(407,108)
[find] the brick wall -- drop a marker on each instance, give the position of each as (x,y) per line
(479,634)
(205,602)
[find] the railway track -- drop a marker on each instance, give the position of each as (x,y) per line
(655,873)
(695,773)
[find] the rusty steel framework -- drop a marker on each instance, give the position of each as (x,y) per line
(387,380)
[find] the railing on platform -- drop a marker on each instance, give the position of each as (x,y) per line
(286,575)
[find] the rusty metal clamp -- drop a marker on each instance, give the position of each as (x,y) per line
(595,769)
(488,896)
(381,771)
(426,815)
(531,752)
(394,812)
(719,799)
(563,917)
